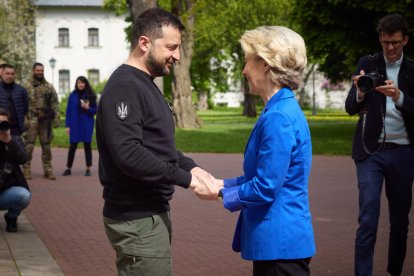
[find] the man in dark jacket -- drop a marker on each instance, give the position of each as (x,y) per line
(14,191)
(13,97)
(383,96)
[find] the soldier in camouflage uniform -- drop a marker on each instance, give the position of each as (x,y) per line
(42,116)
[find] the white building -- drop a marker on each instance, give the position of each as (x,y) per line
(82,38)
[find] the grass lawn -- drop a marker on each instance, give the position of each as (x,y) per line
(227,131)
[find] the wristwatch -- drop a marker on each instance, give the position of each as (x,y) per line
(220,195)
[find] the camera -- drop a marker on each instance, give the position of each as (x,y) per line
(4,126)
(369,81)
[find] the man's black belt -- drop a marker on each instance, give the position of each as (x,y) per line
(390,145)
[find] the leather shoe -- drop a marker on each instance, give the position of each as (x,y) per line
(66,172)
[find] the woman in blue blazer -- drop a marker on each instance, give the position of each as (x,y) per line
(274,228)
(80,122)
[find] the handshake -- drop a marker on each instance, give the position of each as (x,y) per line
(204,185)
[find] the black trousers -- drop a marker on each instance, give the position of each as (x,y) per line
(72,150)
(297,267)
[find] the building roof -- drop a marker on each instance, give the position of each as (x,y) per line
(70,3)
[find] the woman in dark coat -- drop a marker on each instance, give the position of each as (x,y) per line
(80,121)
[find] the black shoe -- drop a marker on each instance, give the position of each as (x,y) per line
(66,172)
(11,224)
(88,173)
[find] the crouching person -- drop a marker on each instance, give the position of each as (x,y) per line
(14,191)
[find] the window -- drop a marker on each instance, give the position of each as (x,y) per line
(93,76)
(63,37)
(64,82)
(93,37)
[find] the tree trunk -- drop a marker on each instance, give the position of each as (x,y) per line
(302,91)
(249,108)
(184,110)
(136,7)
(203,101)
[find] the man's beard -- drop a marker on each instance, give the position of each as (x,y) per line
(156,67)
(39,77)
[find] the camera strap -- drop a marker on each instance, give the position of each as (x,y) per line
(364,120)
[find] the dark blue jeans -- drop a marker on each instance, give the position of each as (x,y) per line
(396,167)
(14,199)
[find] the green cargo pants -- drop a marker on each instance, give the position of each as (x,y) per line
(143,246)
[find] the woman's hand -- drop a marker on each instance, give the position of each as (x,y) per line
(85,104)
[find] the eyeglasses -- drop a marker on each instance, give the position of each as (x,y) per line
(394,43)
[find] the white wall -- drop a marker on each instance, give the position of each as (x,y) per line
(78,58)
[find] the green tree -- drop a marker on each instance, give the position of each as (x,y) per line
(338,32)
(17,47)
(219,26)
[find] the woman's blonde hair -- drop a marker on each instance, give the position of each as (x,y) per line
(282,49)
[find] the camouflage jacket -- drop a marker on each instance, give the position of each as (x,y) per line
(43,100)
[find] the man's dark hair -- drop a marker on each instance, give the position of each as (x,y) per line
(150,24)
(6,65)
(37,64)
(392,23)
(5,112)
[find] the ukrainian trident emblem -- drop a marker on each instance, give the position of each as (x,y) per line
(122,110)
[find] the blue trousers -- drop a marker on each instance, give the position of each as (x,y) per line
(396,167)
(14,199)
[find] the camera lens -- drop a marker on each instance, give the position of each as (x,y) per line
(365,84)
(4,126)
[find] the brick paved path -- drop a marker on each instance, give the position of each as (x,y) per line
(67,215)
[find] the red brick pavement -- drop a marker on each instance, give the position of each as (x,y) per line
(67,216)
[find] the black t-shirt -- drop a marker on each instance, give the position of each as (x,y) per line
(138,162)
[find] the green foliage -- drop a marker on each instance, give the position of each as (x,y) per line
(338,32)
(120,7)
(63,102)
(219,26)
(17,21)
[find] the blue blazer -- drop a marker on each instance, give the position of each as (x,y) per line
(80,122)
(275,221)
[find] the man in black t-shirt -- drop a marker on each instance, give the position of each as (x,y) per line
(139,165)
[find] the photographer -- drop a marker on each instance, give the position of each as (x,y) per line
(14,191)
(383,95)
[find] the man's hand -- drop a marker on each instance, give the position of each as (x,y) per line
(355,80)
(389,90)
(206,186)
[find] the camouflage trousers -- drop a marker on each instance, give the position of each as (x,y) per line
(45,133)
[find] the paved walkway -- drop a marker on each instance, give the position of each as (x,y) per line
(66,215)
